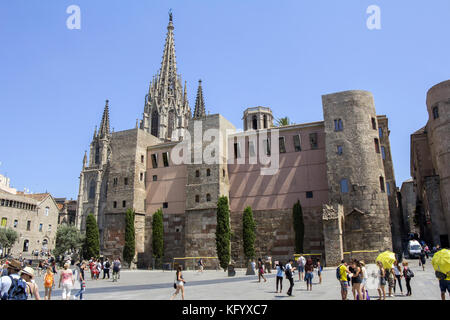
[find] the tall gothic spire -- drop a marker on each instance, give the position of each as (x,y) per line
(199,110)
(168,72)
(104,126)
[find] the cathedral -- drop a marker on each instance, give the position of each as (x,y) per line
(340,169)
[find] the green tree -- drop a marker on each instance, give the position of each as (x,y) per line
(223,232)
(92,239)
(283,122)
(68,238)
(248,233)
(130,242)
(7,238)
(158,237)
(299,227)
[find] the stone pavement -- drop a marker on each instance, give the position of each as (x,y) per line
(216,285)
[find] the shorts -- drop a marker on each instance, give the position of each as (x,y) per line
(391,282)
(308,277)
(301,269)
(444,285)
(344,285)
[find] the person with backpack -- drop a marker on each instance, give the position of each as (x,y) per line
(342,272)
(32,290)
(49,283)
(407,274)
(280,271)
(106,266)
(301,261)
(116,269)
(12,286)
(288,270)
(200,265)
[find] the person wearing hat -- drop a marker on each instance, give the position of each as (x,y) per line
(6,281)
(27,274)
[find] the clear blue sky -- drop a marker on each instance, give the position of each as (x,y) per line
(281,54)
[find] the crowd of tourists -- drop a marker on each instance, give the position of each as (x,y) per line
(18,278)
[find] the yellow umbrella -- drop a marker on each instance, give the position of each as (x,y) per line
(441,261)
(387,258)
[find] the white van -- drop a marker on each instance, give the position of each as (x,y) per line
(414,249)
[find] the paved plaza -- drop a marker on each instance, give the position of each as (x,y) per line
(216,285)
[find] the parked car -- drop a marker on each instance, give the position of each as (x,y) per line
(413,249)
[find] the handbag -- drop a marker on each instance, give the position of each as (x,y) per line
(174,285)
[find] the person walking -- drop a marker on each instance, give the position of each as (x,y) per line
(200,265)
(67,280)
(342,273)
(398,277)
(381,281)
(301,261)
(81,269)
(49,283)
(12,286)
(280,271)
(288,269)
(261,271)
(106,266)
(407,274)
(309,275)
(365,278)
(179,284)
(116,269)
(390,279)
(422,259)
(27,274)
(319,271)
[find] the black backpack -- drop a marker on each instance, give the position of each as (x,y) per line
(18,289)
(107,265)
(288,273)
(440,275)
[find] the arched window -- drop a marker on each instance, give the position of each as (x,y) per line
(25,245)
(197,173)
(208,197)
(197,198)
(255,122)
(344,186)
(382,188)
(435,112)
(97,154)
(92,189)
(338,125)
(171,124)
(208,172)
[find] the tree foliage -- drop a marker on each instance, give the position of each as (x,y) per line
(223,232)
(248,233)
(158,236)
(7,238)
(68,238)
(299,227)
(283,122)
(130,241)
(92,240)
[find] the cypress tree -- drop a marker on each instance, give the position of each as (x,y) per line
(248,233)
(223,232)
(299,227)
(92,244)
(158,236)
(130,244)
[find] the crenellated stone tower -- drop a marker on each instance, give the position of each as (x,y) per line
(166,105)
(355,170)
